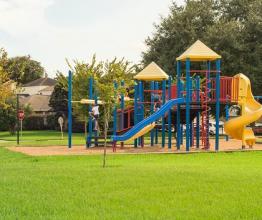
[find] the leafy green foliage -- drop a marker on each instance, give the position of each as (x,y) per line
(109,89)
(23,69)
(233,28)
(82,73)
(8,116)
(109,84)
(105,75)
(6,85)
(58,99)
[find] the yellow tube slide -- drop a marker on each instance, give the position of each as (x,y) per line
(251,111)
(142,132)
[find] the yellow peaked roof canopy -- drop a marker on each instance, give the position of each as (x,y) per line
(152,73)
(199,52)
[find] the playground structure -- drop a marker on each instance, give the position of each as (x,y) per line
(188,101)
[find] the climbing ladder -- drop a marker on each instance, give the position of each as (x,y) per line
(205,99)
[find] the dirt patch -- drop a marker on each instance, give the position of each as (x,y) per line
(232,145)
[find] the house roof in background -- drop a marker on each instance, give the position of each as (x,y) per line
(38,103)
(41,82)
(47,89)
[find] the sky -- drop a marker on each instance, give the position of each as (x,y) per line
(52,30)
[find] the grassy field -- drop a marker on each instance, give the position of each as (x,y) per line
(40,138)
(193,186)
(45,138)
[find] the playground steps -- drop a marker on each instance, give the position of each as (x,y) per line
(99,141)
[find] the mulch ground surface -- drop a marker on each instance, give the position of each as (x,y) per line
(231,145)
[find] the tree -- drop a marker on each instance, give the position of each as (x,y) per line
(182,27)
(231,27)
(105,76)
(6,85)
(114,73)
(7,97)
(8,116)
(23,69)
(82,73)
(58,99)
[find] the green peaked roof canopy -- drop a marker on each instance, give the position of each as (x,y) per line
(152,72)
(199,52)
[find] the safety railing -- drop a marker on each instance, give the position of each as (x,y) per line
(229,88)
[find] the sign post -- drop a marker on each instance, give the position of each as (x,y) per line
(61,123)
(21,116)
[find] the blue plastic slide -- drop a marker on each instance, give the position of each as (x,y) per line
(152,118)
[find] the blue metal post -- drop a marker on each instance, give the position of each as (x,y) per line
(90,121)
(163,118)
(198,113)
(69,109)
(115,119)
(122,106)
(218,62)
(115,114)
(152,88)
(209,98)
(227,117)
(169,115)
(141,100)
(178,132)
(141,108)
(156,131)
(135,109)
(96,102)
(190,127)
(122,110)
(191,88)
(187,104)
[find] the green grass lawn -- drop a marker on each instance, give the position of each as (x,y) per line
(46,138)
(43,138)
(169,186)
(40,138)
